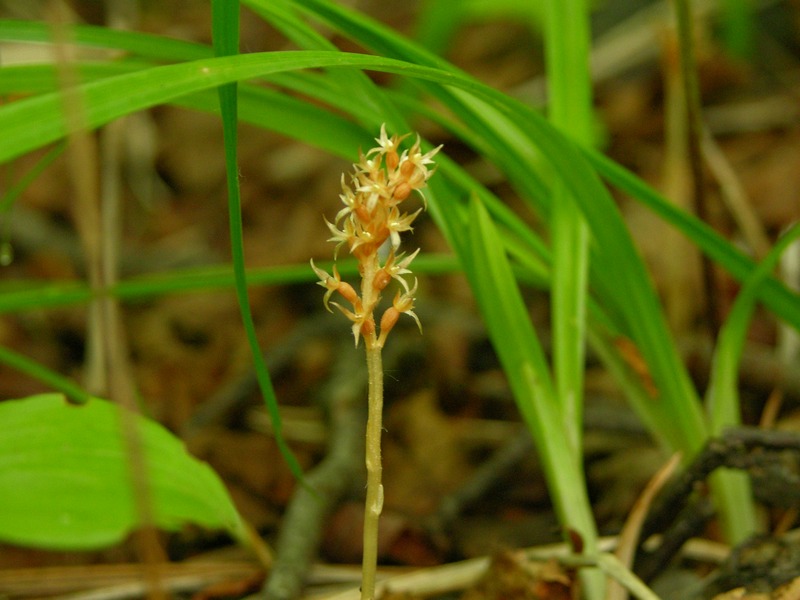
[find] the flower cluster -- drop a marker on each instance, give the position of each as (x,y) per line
(371,219)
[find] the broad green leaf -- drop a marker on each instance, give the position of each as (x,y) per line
(65,482)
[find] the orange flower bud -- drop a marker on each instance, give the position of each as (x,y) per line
(367,328)
(362,213)
(382,279)
(348,293)
(388,320)
(392,159)
(402,191)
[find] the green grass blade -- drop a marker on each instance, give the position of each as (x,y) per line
(225,20)
(722,398)
(437,24)
(140,44)
(15,190)
(504,144)
(738,23)
(35,295)
(524,362)
(374,108)
(570,110)
(775,296)
(36,370)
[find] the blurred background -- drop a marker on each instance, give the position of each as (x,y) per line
(449,411)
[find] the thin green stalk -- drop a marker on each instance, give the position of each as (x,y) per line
(524,362)
(371,219)
(54,380)
(567,43)
(739,519)
(226,42)
(570,110)
(373,505)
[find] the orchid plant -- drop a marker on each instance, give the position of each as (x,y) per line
(370,225)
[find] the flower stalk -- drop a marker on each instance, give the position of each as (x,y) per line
(370,225)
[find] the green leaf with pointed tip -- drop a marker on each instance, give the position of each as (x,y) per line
(65,482)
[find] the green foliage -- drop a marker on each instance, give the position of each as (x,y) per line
(524,362)
(65,480)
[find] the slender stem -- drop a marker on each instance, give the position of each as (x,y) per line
(374,503)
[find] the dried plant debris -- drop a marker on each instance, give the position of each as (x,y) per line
(771,459)
(511,576)
(763,567)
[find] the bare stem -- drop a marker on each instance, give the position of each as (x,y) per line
(374,503)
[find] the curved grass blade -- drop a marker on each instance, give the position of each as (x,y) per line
(524,363)
(24,296)
(36,370)
(722,398)
(225,21)
(137,43)
(775,296)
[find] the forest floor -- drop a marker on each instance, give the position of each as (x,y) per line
(461,478)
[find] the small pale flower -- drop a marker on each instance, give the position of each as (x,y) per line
(341,237)
(387,144)
(404,303)
(359,319)
(375,190)
(331,284)
(398,223)
(397,266)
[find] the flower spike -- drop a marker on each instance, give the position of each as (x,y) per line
(371,215)
(372,219)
